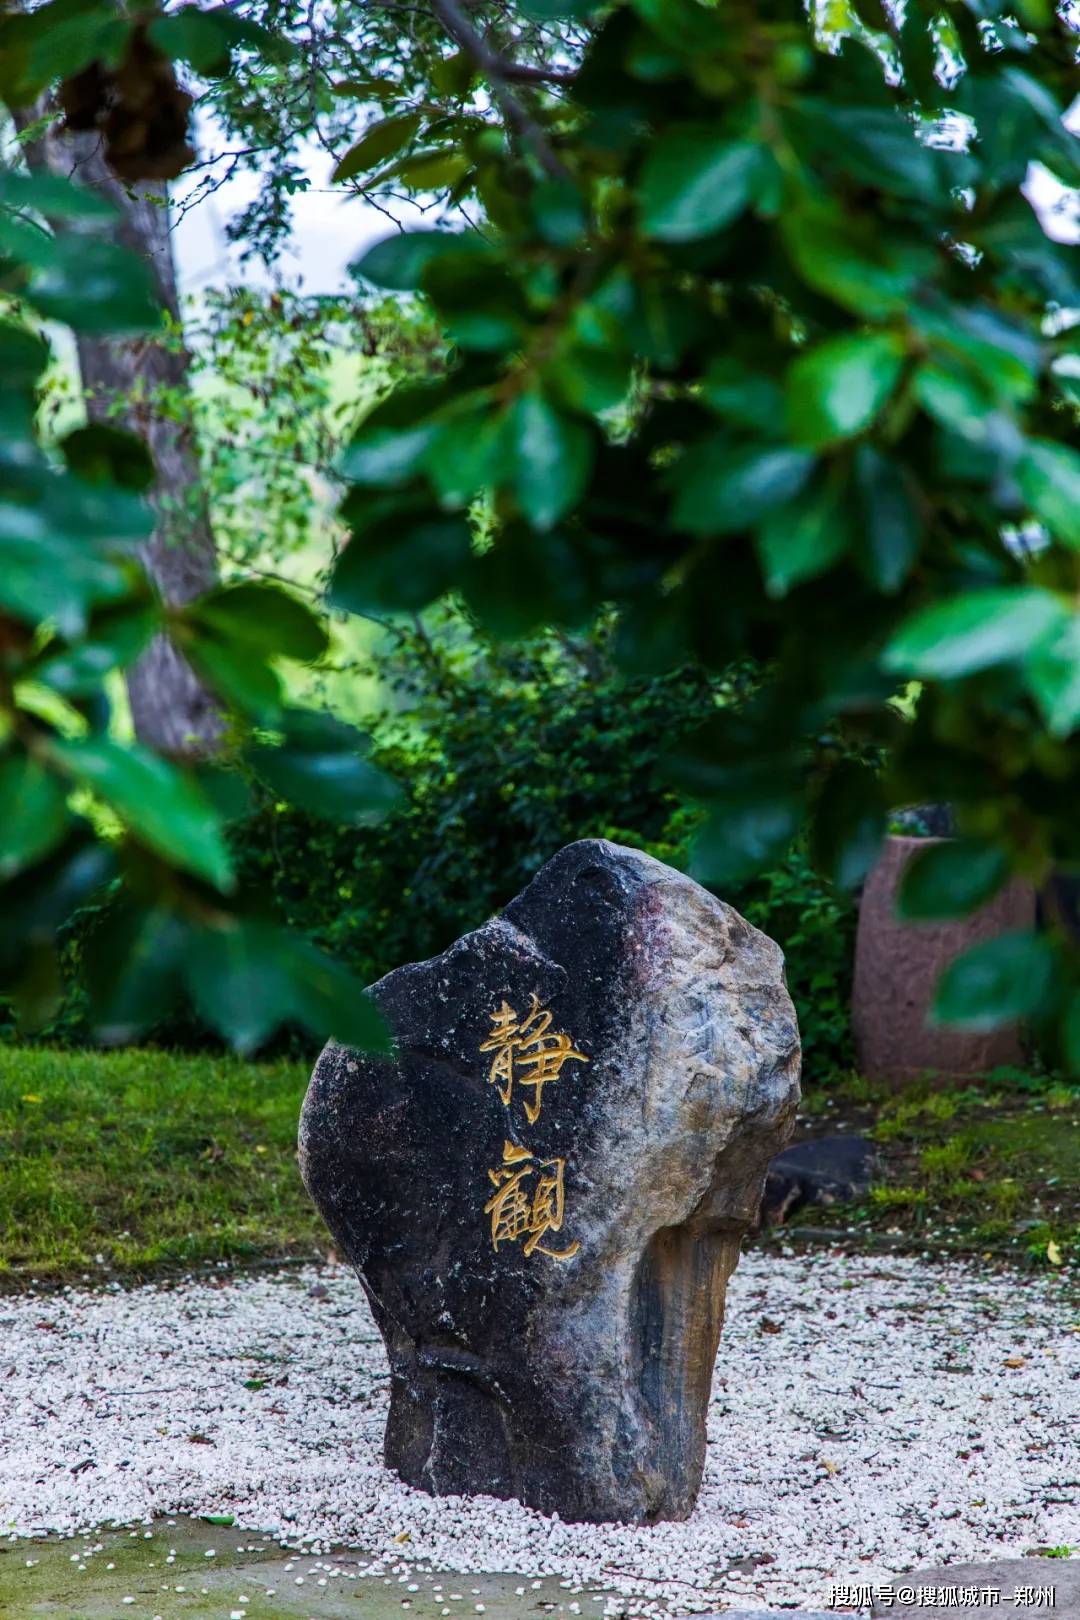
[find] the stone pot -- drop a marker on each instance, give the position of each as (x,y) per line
(897,965)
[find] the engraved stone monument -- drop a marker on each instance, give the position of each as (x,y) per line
(544,1190)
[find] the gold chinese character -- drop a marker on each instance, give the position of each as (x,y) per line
(528,1050)
(519,1211)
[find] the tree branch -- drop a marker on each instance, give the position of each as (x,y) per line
(499,73)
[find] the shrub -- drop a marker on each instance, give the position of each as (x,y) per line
(503,756)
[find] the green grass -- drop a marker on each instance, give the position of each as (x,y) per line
(141,1161)
(991,1165)
(138,1163)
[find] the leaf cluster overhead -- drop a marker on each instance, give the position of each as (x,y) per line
(758,341)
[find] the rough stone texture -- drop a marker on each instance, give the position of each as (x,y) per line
(897,966)
(1008,1577)
(574,1377)
(826,1170)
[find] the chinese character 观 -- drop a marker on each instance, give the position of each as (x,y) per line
(525,1208)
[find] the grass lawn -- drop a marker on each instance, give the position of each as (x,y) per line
(138,1161)
(989,1167)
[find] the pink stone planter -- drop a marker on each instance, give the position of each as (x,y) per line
(897,965)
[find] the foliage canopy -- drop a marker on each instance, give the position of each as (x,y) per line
(751,335)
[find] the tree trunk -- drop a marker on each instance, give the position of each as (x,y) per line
(122,380)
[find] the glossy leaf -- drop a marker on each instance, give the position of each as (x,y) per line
(381,141)
(888,526)
(1049,478)
(837,388)
(849,823)
(806,538)
(552,456)
(135,972)
(398,262)
(400,566)
(161,803)
(1052,673)
(113,641)
(694,182)
(262,616)
(975,631)
(721,488)
(950,880)
(103,454)
(249,978)
(319,765)
(996,983)
(33,812)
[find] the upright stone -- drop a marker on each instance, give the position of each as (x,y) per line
(544,1191)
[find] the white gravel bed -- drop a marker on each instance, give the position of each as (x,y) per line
(869,1416)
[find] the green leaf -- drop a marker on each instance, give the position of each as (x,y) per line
(54,195)
(852,261)
(161,804)
(23,355)
(975,631)
(875,146)
(262,616)
(694,182)
(888,528)
(996,983)
(398,262)
(367,89)
(721,488)
(207,37)
(33,812)
(748,399)
(950,880)
(249,978)
(194,36)
(115,640)
(387,456)
(402,560)
(433,169)
(956,400)
(1052,673)
(551,459)
(134,972)
(557,10)
(94,286)
(381,141)
(1070,1033)
(392,440)
(108,455)
(1049,477)
(805,538)
(561,587)
(849,823)
(838,387)
(242,680)
(559,212)
(56,41)
(743,834)
(47,575)
(319,766)
(468,450)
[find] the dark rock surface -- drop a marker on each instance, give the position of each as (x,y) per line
(827,1170)
(544,1192)
(1020,1584)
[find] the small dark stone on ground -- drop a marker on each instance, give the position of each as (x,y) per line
(827,1170)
